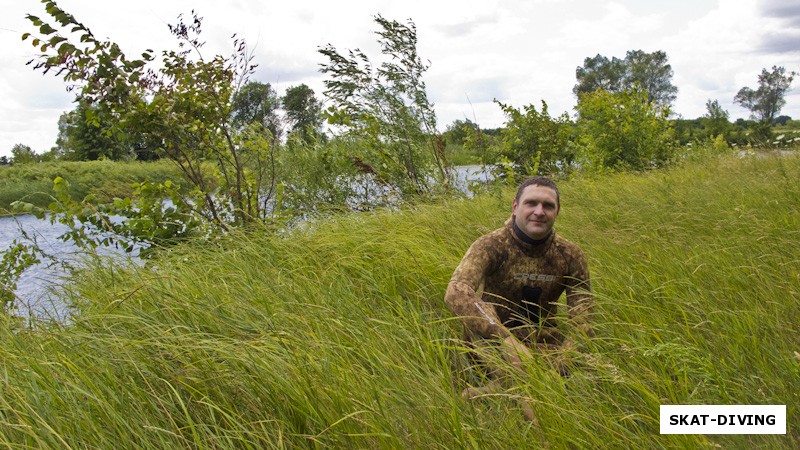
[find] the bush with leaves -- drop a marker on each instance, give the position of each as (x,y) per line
(623,130)
(184,105)
(533,142)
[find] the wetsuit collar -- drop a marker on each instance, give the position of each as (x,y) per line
(527,240)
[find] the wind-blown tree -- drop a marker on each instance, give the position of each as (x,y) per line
(185,105)
(648,71)
(386,109)
(767,101)
(303,111)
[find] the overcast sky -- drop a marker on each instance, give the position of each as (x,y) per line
(517,51)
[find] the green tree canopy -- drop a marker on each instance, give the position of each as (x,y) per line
(767,101)
(649,71)
(257,102)
(303,111)
(89,132)
(458,131)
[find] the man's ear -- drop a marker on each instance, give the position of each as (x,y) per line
(514,207)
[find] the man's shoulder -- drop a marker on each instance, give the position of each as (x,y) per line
(497,237)
(568,248)
(495,242)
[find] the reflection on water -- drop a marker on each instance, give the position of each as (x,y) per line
(38,288)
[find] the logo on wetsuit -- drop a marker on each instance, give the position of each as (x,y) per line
(534,277)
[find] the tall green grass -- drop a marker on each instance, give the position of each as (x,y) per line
(336,335)
(105,179)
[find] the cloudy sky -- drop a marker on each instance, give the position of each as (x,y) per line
(517,51)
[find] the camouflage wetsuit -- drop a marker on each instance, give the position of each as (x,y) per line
(507,278)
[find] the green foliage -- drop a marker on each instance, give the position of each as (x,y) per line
(705,150)
(17,258)
(385,109)
(716,119)
(623,131)
(468,144)
(257,102)
(319,178)
(146,223)
(458,131)
(185,105)
(536,143)
(649,72)
(89,133)
(23,154)
(303,112)
(335,336)
(766,102)
(105,180)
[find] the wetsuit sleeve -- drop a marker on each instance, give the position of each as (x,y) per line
(580,301)
(478,316)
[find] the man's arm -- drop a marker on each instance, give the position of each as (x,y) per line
(580,301)
(461,297)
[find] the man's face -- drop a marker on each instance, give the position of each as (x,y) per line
(536,211)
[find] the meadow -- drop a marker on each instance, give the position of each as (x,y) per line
(104,179)
(335,334)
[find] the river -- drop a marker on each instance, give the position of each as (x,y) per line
(39,291)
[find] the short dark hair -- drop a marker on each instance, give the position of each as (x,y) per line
(539,181)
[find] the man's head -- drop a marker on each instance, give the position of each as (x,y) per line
(536,207)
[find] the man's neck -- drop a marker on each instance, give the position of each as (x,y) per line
(527,239)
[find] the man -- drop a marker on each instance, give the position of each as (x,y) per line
(507,285)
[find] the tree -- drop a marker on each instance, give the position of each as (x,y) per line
(648,71)
(766,102)
(715,120)
(23,154)
(600,73)
(4,160)
(386,109)
(623,131)
(88,133)
(257,102)
(303,111)
(781,120)
(457,132)
(185,106)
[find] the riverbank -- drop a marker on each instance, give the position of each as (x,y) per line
(104,179)
(338,337)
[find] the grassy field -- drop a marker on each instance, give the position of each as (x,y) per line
(337,336)
(105,179)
